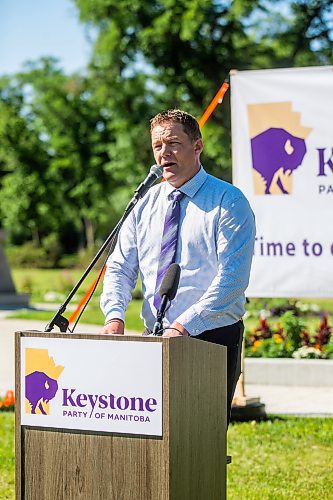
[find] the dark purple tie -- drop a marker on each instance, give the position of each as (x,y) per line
(169,241)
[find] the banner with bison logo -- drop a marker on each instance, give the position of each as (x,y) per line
(96,385)
(282,146)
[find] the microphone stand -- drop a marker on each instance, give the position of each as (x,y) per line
(158,326)
(167,291)
(58,319)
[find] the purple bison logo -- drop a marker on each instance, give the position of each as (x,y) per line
(275,155)
(39,389)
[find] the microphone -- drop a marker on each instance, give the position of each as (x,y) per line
(167,291)
(155,173)
(170,282)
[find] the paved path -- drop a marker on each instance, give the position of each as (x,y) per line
(278,399)
(293,400)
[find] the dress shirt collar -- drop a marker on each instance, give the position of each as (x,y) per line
(192,186)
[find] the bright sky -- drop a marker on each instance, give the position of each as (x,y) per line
(30,29)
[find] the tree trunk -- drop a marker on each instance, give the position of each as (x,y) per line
(89,233)
(36,237)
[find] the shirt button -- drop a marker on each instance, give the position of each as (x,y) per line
(196,331)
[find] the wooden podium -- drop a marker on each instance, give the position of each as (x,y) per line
(186,462)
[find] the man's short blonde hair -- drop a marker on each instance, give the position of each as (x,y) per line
(190,124)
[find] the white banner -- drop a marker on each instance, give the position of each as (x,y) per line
(96,385)
(283,162)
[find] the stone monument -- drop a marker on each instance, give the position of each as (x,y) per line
(8,295)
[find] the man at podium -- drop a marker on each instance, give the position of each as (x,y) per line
(198,221)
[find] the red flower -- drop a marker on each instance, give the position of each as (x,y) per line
(7,403)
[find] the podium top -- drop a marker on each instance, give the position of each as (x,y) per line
(95,336)
(169,341)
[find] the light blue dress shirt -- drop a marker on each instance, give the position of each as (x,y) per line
(214,251)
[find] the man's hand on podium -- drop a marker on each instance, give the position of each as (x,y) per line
(175,330)
(114,327)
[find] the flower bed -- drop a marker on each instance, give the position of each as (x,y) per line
(7,403)
(289,338)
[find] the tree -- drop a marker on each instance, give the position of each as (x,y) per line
(24,162)
(73,129)
(59,156)
(151,55)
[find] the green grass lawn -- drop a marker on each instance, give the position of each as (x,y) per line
(6,455)
(53,285)
(282,458)
(40,282)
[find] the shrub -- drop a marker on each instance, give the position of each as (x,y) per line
(27,255)
(294,327)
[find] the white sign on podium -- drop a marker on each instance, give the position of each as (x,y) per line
(83,384)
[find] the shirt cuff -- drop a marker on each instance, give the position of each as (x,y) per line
(115,314)
(192,322)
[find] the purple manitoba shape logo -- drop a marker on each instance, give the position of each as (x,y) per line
(277,144)
(41,375)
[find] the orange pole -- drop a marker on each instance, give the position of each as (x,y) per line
(216,100)
(84,299)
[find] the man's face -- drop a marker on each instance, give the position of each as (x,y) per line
(175,151)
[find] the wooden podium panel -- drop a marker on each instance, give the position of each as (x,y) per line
(188,462)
